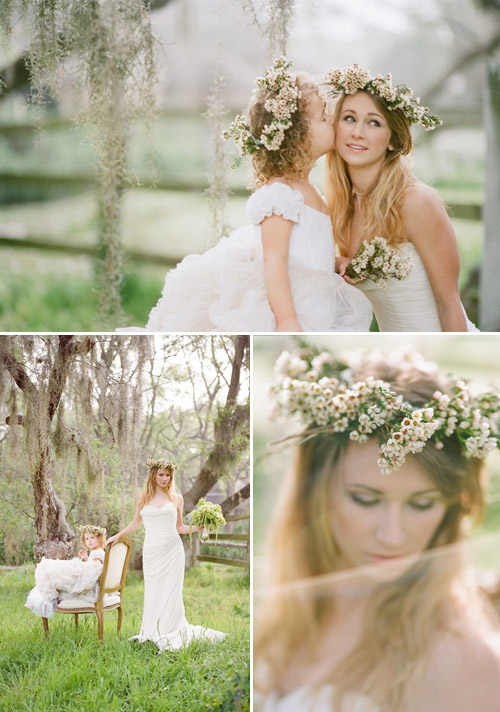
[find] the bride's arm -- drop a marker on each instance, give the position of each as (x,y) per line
(129,529)
(181,527)
(427,225)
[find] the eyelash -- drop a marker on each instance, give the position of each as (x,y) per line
(358,499)
(373,122)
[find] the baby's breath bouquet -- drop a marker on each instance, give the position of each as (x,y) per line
(377,261)
(209,516)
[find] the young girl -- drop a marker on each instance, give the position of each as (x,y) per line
(160,508)
(371,191)
(277,274)
(370,605)
(57,579)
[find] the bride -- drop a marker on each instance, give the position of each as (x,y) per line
(160,508)
(371,191)
(370,605)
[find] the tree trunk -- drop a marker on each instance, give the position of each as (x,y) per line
(231,433)
(490,284)
(54,536)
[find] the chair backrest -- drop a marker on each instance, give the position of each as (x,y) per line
(115,565)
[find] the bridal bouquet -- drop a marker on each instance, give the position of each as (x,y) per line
(209,516)
(377,261)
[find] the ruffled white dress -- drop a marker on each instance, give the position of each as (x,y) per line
(57,579)
(309,699)
(407,304)
(164,620)
(224,289)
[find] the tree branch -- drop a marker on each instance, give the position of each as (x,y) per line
(16,369)
(235,499)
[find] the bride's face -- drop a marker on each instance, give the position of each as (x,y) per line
(163,478)
(363,135)
(382,520)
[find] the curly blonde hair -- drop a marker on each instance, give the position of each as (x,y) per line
(292,159)
(382,203)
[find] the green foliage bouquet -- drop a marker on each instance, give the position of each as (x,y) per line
(376,260)
(209,516)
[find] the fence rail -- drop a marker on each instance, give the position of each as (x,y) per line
(235,541)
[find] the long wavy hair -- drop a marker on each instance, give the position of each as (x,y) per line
(149,489)
(292,160)
(404,615)
(382,202)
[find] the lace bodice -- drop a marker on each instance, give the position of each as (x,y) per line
(311,237)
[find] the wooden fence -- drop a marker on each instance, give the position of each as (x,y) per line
(238,542)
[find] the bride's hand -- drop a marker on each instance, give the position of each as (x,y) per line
(341,266)
(112,540)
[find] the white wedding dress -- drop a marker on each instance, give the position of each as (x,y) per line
(163,619)
(407,304)
(309,699)
(224,289)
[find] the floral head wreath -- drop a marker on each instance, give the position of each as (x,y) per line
(162,464)
(328,399)
(278,80)
(91,529)
(352,79)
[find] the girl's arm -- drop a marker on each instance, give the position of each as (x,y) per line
(181,527)
(429,228)
(130,528)
(275,240)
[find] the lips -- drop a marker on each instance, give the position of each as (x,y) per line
(380,559)
(356,147)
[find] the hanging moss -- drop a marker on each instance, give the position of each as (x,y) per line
(106,49)
(218,189)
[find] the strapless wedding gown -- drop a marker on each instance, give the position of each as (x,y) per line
(308,699)
(163,619)
(407,304)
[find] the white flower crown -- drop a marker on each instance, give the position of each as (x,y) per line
(278,80)
(91,529)
(162,463)
(398,97)
(328,399)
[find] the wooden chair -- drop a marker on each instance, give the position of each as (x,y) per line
(111,585)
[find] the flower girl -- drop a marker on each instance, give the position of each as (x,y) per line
(57,579)
(277,274)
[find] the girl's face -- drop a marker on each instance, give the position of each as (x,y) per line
(91,541)
(163,478)
(363,134)
(383,520)
(321,131)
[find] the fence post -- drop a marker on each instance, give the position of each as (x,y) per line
(490,269)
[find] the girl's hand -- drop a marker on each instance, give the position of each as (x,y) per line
(83,555)
(290,324)
(112,540)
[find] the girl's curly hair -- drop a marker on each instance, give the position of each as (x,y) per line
(292,159)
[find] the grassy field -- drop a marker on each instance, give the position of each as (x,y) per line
(72,672)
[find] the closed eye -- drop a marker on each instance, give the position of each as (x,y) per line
(365,500)
(422,504)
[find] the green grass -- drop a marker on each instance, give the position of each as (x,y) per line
(72,672)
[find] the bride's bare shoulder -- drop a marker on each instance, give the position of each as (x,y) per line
(462,674)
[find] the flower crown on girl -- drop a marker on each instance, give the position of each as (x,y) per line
(324,392)
(277,79)
(91,529)
(352,79)
(162,463)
